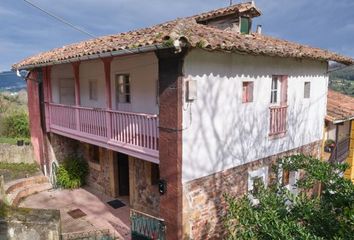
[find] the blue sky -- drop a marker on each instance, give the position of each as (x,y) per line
(26,31)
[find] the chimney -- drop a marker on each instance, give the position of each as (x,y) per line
(259,29)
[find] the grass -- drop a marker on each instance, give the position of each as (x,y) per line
(12,141)
(12,171)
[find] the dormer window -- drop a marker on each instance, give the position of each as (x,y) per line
(245,25)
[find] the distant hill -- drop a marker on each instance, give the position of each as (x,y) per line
(10,82)
(342,80)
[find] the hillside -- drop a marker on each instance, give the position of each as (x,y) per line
(10,82)
(342,80)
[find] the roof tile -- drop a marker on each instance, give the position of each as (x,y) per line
(340,107)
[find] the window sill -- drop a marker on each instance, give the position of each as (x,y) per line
(95,166)
(273,136)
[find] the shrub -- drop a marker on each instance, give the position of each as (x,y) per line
(282,214)
(72,173)
(16,125)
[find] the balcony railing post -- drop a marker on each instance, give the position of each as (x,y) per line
(109,124)
(77,117)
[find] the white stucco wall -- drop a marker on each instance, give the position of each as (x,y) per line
(64,71)
(92,71)
(221,132)
(143,71)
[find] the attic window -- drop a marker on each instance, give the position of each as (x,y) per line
(247,92)
(307,89)
(245,25)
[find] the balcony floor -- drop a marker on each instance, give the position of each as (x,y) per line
(100,216)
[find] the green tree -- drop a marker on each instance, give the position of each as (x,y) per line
(16,125)
(281,214)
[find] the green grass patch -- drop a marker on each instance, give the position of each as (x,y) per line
(13,141)
(13,171)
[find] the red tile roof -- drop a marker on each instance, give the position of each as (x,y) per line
(235,9)
(340,107)
(196,36)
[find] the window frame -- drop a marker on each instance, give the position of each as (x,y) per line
(247,91)
(307,92)
(275,90)
(118,93)
(294,176)
(71,88)
(260,173)
(93,89)
(249,24)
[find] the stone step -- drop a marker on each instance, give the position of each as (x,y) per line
(14,198)
(21,183)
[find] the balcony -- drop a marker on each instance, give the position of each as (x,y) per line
(136,134)
(341,151)
(278,116)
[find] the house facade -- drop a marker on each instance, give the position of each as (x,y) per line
(176,115)
(338,142)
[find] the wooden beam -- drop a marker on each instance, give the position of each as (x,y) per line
(76,70)
(336,148)
(107,73)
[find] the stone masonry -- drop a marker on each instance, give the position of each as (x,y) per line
(203,204)
(144,196)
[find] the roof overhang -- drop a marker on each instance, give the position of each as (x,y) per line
(122,52)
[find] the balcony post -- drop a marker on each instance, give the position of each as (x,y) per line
(76,70)
(108,94)
(47,89)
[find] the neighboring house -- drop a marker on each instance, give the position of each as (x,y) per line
(200,104)
(339,130)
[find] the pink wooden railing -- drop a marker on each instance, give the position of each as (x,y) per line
(134,129)
(278,116)
(63,116)
(93,121)
(137,129)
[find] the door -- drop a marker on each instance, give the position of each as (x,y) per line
(123,174)
(123,92)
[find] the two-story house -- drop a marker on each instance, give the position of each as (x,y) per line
(200,105)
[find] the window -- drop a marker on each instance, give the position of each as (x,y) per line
(93,89)
(278,108)
(256,179)
(247,92)
(67,91)
(307,89)
(288,179)
(155,174)
(245,25)
(274,90)
(123,88)
(94,154)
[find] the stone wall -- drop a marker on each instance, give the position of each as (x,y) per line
(203,204)
(61,147)
(16,154)
(29,224)
(144,196)
(99,176)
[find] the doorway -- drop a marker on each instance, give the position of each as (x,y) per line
(123,174)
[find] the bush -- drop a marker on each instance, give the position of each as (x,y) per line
(72,173)
(16,125)
(281,214)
